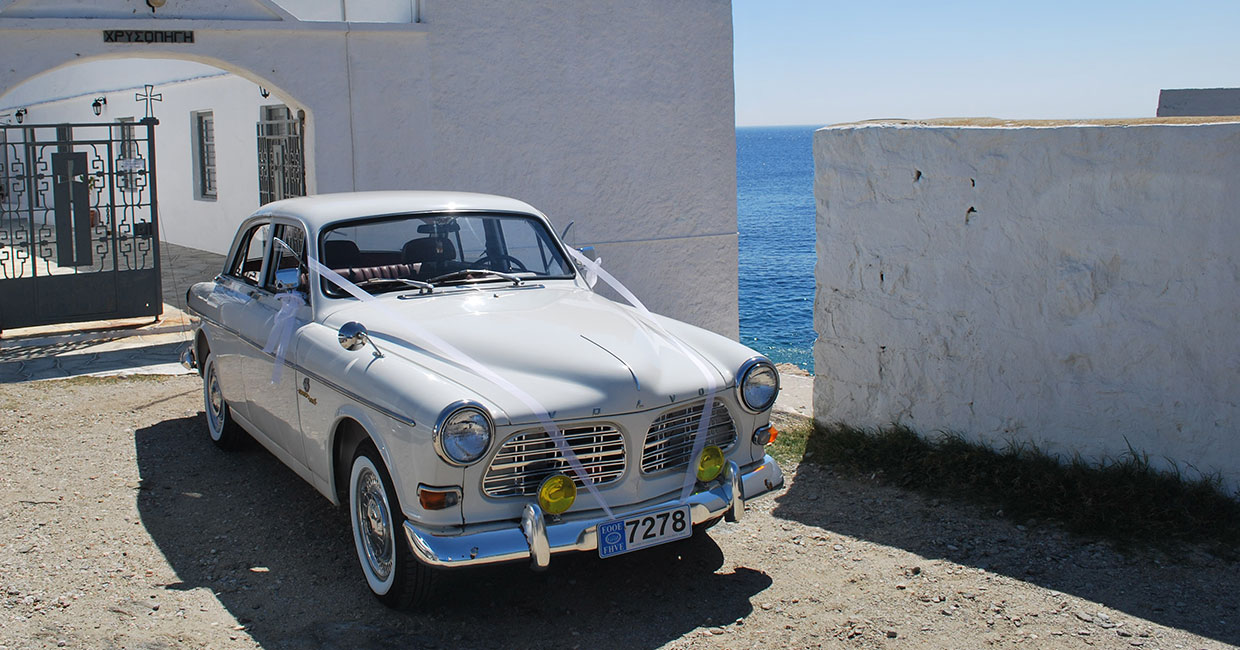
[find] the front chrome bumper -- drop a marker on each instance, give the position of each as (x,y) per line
(535,538)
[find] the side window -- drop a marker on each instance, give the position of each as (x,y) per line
(288,269)
(248,265)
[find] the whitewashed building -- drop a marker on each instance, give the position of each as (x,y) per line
(616,116)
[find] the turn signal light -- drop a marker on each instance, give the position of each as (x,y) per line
(765,435)
(710,463)
(434,498)
(556,494)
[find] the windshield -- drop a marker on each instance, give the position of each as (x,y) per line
(384,254)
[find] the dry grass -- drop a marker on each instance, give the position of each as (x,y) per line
(1124,499)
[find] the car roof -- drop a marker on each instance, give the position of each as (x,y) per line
(322,209)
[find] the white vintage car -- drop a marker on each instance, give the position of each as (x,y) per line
(440,363)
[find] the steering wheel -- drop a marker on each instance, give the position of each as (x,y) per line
(513,263)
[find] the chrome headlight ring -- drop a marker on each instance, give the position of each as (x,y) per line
(448,438)
(757,378)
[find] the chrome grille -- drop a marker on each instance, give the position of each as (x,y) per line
(670,439)
(527,458)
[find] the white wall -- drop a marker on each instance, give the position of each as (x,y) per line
(616,115)
(1076,286)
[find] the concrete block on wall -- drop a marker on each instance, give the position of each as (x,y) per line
(1199,101)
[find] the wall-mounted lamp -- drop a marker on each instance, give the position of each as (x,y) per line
(264,92)
(155,4)
(20,114)
(98,104)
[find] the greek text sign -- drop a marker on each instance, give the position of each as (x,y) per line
(147,36)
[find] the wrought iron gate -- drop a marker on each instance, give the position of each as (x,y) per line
(281,155)
(78,224)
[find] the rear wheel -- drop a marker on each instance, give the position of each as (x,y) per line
(225,432)
(394,575)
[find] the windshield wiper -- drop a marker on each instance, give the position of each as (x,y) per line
(422,287)
(466,274)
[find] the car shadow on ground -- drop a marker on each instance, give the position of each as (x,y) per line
(280,558)
(1192,591)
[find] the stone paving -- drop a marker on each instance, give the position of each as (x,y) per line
(124,347)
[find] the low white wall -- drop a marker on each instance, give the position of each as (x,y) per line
(1073,285)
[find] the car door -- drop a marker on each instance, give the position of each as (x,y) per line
(269,378)
(231,299)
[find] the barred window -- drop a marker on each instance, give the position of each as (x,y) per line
(204,163)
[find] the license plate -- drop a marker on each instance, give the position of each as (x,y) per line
(620,536)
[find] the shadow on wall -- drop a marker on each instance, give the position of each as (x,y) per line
(216,516)
(1193,592)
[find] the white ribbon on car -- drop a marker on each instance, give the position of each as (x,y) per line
(593,271)
(453,353)
(282,330)
(595,268)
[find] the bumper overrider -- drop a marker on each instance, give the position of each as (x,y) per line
(536,538)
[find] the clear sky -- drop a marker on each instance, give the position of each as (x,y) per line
(828,61)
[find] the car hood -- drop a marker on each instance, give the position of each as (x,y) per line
(566,350)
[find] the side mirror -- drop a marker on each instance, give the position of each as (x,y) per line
(288,280)
(353,336)
(589,253)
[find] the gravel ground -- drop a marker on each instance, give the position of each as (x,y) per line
(123,527)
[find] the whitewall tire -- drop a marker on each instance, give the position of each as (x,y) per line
(393,574)
(224,431)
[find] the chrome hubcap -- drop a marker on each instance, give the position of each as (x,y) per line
(215,399)
(374,523)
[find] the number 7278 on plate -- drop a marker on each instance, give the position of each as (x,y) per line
(641,531)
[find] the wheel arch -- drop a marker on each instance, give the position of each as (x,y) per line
(347,435)
(201,349)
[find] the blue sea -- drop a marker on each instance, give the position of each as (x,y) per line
(775,201)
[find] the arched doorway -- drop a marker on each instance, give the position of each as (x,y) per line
(90,193)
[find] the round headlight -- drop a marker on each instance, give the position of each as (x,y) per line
(758,385)
(464,435)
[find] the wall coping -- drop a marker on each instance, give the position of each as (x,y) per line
(995,123)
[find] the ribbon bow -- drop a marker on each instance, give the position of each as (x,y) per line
(282,330)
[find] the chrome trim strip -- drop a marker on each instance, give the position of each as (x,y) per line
(403,419)
(514,542)
(622,361)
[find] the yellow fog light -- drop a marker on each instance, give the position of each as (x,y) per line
(710,463)
(556,494)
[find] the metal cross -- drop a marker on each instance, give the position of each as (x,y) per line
(148,98)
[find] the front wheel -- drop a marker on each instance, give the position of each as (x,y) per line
(395,577)
(225,432)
